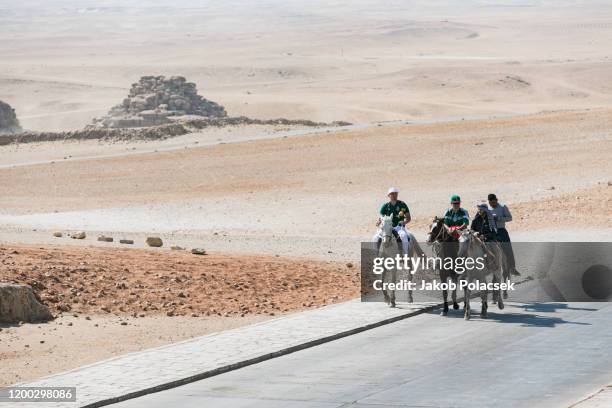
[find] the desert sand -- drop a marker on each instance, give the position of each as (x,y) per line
(64,62)
(447,97)
(317,195)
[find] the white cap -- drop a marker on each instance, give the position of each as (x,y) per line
(392,190)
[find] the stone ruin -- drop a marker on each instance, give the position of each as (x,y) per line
(157,100)
(8,119)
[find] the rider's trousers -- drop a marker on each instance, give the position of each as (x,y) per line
(403,236)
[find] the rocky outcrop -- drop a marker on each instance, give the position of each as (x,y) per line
(8,119)
(156,100)
(18,303)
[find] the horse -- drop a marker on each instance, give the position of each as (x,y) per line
(471,246)
(441,241)
(386,249)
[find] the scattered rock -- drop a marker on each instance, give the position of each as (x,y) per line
(58,234)
(154,241)
(78,235)
(104,238)
(177,248)
(198,251)
(349,265)
(126,241)
(18,303)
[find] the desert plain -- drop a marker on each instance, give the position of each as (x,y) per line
(447,97)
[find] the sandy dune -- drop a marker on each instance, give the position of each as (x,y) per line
(64,62)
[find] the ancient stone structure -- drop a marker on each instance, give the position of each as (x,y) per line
(8,119)
(157,100)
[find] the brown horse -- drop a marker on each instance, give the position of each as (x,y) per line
(444,245)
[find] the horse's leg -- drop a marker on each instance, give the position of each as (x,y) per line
(500,298)
(495,293)
(505,276)
(466,307)
(484,297)
(444,279)
(507,280)
(410,298)
(455,279)
(384,291)
(393,280)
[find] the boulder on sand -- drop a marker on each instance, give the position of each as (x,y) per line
(8,119)
(78,235)
(198,251)
(154,241)
(104,238)
(19,304)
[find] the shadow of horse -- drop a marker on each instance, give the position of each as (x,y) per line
(551,307)
(523,319)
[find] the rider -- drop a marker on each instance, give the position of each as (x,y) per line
(502,215)
(456,218)
(484,224)
(401,216)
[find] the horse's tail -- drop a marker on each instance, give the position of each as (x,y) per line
(414,245)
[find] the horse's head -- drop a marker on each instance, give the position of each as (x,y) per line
(466,239)
(386,228)
(436,230)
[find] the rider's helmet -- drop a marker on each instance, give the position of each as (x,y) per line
(455,199)
(392,190)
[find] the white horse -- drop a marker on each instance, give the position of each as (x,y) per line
(471,246)
(388,248)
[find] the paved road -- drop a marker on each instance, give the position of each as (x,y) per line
(542,355)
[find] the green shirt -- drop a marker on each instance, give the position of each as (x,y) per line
(398,211)
(456,219)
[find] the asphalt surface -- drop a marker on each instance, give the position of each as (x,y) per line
(528,355)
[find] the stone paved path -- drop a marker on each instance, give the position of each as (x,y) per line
(167,366)
(602,399)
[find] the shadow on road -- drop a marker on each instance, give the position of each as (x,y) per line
(551,307)
(524,319)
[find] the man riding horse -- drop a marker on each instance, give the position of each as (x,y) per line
(486,228)
(456,218)
(501,215)
(484,224)
(401,216)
